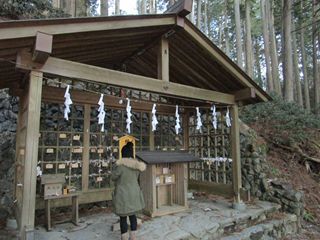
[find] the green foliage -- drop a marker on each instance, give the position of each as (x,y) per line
(282,122)
(308,217)
(26,9)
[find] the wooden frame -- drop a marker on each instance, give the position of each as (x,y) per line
(28,137)
(76,70)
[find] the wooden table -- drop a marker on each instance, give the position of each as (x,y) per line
(75,208)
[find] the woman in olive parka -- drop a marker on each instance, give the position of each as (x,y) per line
(127,197)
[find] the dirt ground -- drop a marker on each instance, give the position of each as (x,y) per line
(285,165)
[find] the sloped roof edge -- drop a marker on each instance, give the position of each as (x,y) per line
(243,76)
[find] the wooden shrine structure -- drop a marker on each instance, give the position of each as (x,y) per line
(161,59)
(165,182)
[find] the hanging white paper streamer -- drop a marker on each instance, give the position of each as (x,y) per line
(228,120)
(129,121)
(67,103)
(39,172)
(177,127)
(199,123)
(154,118)
(214,117)
(102,113)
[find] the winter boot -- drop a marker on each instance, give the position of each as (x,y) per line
(125,236)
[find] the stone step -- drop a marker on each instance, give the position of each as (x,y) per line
(270,229)
(207,220)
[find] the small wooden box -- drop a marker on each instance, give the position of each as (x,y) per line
(52,184)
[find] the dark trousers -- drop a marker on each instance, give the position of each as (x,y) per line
(124,224)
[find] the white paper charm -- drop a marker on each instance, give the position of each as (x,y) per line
(154,118)
(199,122)
(177,127)
(129,121)
(214,117)
(67,103)
(102,113)
(39,172)
(228,120)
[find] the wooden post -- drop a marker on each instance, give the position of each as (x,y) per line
(31,141)
(236,163)
(151,134)
(86,150)
(163,60)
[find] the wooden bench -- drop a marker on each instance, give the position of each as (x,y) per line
(75,208)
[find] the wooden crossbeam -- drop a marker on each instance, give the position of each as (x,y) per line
(182,8)
(245,94)
(86,72)
(42,47)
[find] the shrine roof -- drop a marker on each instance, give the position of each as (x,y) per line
(130,44)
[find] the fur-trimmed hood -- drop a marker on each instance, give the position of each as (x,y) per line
(132,163)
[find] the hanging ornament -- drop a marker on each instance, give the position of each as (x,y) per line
(228,120)
(102,113)
(129,121)
(67,103)
(214,117)
(177,127)
(154,118)
(199,123)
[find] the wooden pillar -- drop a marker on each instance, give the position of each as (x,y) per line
(235,144)
(151,134)
(29,146)
(163,60)
(86,150)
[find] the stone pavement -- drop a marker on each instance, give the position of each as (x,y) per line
(206,219)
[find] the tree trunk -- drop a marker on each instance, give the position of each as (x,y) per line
(81,8)
(104,8)
(117,7)
(287,47)
(315,59)
(56,3)
(70,7)
(296,70)
(257,63)
(199,14)
(153,7)
(304,69)
(238,32)
(226,29)
(143,7)
(205,22)
(249,54)
(270,85)
(273,51)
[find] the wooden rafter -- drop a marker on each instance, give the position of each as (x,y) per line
(22,31)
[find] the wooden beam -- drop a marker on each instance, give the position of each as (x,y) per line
(182,8)
(236,159)
(163,59)
(208,46)
(245,94)
(81,71)
(54,27)
(42,47)
(33,104)
(56,95)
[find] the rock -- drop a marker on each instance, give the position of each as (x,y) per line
(4,213)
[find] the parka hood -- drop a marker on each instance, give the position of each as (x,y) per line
(132,163)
